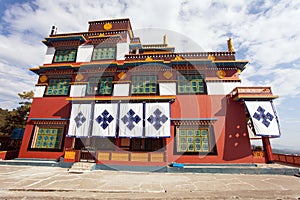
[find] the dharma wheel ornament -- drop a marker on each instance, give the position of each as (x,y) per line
(221,74)
(43,78)
(107,26)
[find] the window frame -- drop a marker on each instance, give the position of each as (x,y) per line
(132,86)
(98,86)
(212,149)
(189,80)
(35,134)
(98,47)
(64,61)
(51,79)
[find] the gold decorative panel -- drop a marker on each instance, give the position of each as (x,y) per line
(70,155)
(142,157)
(122,75)
(168,74)
(103,155)
(79,77)
(157,157)
(119,156)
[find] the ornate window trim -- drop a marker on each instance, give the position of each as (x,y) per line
(102,86)
(57,136)
(65,55)
(191,83)
(144,84)
(104,53)
(53,86)
(203,143)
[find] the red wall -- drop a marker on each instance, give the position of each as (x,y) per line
(231,135)
(47,107)
(232,140)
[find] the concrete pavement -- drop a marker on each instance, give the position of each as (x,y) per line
(37,182)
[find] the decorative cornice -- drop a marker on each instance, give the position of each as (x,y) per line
(193,121)
(123,98)
(45,121)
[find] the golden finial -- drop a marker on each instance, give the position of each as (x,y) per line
(230,45)
(165,39)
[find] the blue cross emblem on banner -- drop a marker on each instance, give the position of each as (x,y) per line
(157,118)
(130,119)
(105,119)
(79,119)
(266,118)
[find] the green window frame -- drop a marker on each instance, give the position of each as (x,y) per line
(191,83)
(58,87)
(100,85)
(144,84)
(104,53)
(193,140)
(66,55)
(47,137)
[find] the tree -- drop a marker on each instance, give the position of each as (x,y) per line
(16,118)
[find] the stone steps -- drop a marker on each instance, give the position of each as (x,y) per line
(81,167)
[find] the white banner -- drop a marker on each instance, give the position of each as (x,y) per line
(263,117)
(131,120)
(157,120)
(79,120)
(105,120)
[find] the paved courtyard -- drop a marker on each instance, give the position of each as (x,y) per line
(31,182)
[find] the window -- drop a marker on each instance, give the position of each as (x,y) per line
(47,137)
(190,84)
(193,140)
(58,87)
(144,85)
(68,55)
(102,86)
(104,53)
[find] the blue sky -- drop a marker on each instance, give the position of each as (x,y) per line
(264,32)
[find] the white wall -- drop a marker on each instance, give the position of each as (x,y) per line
(167,88)
(39,91)
(121,89)
(49,55)
(122,50)
(84,53)
(77,90)
(221,87)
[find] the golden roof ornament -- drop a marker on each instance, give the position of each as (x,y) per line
(221,74)
(230,45)
(107,26)
(165,39)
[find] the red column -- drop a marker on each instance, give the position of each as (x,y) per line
(267,149)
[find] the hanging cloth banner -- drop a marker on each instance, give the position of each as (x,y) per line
(264,118)
(131,120)
(157,119)
(105,120)
(80,120)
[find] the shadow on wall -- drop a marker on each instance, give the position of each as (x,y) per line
(63,112)
(236,143)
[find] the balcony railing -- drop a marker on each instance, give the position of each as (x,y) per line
(291,159)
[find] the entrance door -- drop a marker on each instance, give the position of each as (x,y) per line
(87,155)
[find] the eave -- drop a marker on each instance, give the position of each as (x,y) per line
(49,40)
(239,64)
